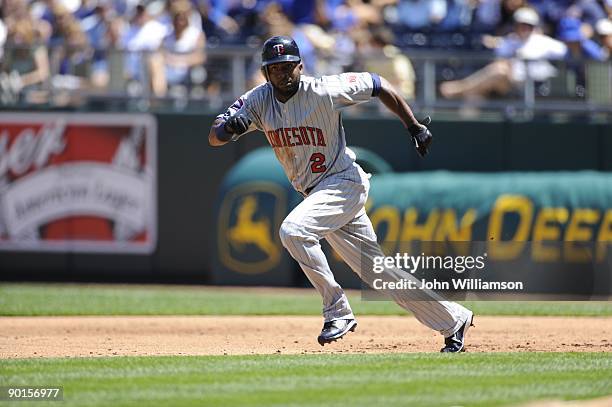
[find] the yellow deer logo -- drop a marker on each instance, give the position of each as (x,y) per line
(248,230)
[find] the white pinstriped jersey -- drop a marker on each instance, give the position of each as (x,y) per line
(307,136)
(306,132)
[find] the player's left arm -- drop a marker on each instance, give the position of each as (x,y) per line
(421,136)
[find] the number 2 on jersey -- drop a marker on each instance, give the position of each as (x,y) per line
(318,163)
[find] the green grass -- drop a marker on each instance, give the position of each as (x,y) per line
(283,380)
(74,299)
(319,380)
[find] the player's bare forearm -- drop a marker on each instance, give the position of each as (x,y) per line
(218,136)
(421,136)
(396,103)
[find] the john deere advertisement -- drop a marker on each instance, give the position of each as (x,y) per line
(531,208)
(556,224)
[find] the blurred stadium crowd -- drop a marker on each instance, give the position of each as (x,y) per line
(163,48)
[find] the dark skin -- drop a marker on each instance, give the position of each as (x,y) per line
(285,80)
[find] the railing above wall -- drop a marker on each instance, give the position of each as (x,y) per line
(578,88)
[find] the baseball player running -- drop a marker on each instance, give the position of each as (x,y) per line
(301,119)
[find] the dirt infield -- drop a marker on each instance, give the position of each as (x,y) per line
(28,337)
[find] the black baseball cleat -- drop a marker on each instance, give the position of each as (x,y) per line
(334,330)
(456,342)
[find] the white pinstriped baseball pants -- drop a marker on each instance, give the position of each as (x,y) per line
(335,211)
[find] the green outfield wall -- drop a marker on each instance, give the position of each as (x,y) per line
(540,221)
(192,186)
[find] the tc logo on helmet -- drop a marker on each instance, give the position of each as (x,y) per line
(279,48)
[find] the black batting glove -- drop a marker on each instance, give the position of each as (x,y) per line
(237,124)
(421,136)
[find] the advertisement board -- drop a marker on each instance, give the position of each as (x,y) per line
(78,182)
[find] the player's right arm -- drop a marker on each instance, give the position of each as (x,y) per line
(217,135)
(225,130)
(232,124)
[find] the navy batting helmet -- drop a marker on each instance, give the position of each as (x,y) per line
(279,49)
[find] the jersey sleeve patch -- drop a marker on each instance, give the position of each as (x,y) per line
(238,104)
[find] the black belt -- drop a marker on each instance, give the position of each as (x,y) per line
(307,191)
